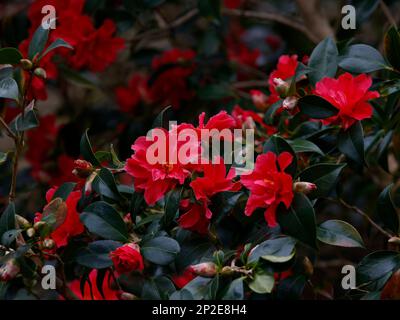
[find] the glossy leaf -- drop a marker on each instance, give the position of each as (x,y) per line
(103,220)
(316,107)
(276,250)
(87,151)
(323,61)
(262,283)
(392,47)
(387,211)
(160,250)
(361,58)
(339,233)
(351,143)
(9,89)
(324,176)
(97,254)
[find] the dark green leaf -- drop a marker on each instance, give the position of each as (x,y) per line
(316,107)
(339,233)
(235,290)
(7,219)
(58,43)
(300,145)
(86,149)
(387,211)
(323,61)
(351,143)
(10,56)
(97,254)
(64,190)
(299,220)
(9,89)
(103,220)
(38,42)
(160,121)
(9,236)
(377,267)
(104,184)
(160,250)
(392,47)
(274,250)
(29,121)
(172,201)
(323,175)
(136,202)
(361,58)
(270,113)
(262,283)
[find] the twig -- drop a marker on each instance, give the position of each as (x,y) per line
(366,216)
(387,12)
(8,129)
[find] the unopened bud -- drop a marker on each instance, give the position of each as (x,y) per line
(30,232)
(304,187)
(40,73)
(205,269)
(281,87)
(22,222)
(48,244)
(82,168)
(39,225)
(260,100)
(9,270)
(289,103)
(127,296)
(26,64)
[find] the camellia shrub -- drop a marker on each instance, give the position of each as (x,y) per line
(88,215)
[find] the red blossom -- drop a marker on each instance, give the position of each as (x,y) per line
(269,185)
(137,90)
(349,95)
(170,86)
(127,258)
(183,279)
(245,117)
(72,225)
(194,217)
(91,292)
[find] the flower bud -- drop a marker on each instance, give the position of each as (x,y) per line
(289,103)
(260,100)
(205,269)
(281,87)
(39,225)
(82,168)
(22,222)
(30,232)
(9,270)
(26,64)
(48,244)
(40,73)
(304,187)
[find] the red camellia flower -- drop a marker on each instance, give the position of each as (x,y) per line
(349,95)
(71,226)
(157,178)
(127,258)
(194,217)
(91,292)
(213,181)
(94,49)
(183,279)
(136,91)
(170,86)
(269,185)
